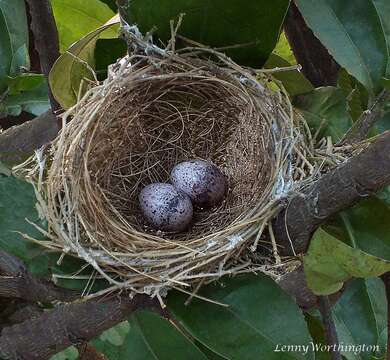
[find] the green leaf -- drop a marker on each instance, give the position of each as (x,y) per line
(355,93)
(4,170)
(70,353)
(215,23)
(72,67)
(360,316)
(325,110)
(294,81)
(107,52)
(329,263)
(20,61)
(24,82)
(77,18)
(367,227)
(317,332)
(146,337)
(259,316)
(283,49)
(13,37)
(357,36)
(34,100)
(386,83)
(17,202)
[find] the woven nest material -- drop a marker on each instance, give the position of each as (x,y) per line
(153,112)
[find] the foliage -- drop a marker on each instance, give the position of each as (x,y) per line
(77,18)
(258,317)
(360,318)
(325,110)
(147,336)
(358,36)
(356,243)
(293,81)
(329,263)
(215,23)
(74,69)
(19,91)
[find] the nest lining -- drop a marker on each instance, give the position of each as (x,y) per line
(151,113)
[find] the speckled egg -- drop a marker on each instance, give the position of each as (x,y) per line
(202,181)
(165,208)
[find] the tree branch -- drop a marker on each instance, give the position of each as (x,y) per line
(360,176)
(67,325)
(317,64)
(46,40)
(17,282)
(360,129)
(19,142)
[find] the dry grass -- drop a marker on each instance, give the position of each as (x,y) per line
(151,113)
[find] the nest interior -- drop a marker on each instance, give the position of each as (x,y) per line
(150,114)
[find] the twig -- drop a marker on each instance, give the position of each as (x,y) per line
(330,328)
(366,121)
(46,40)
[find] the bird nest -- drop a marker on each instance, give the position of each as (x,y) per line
(156,109)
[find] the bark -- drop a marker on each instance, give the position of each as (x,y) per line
(317,64)
(66,325)
(46,41)
(19,142)
(17,282)
(359,177)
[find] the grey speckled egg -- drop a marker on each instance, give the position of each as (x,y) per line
(165,208)
(202,181)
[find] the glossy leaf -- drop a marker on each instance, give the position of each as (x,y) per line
(330,262)
(283,49)
(258,317)
(13,38)
(24,82)
(326,111)
(146,337)
(77,18)
(317,332)
(367,227)
(107,51)
(356,95)
(215,23)
(360,316)
(34,100)
(74,66)
(293,81)
(358,36)
(70,353)
(17,202)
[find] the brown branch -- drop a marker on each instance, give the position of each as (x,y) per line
(330,328)
(67,325)
(360,176)
(360,129)
(317,64)
(17,282)
(46,40)
(19,142)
